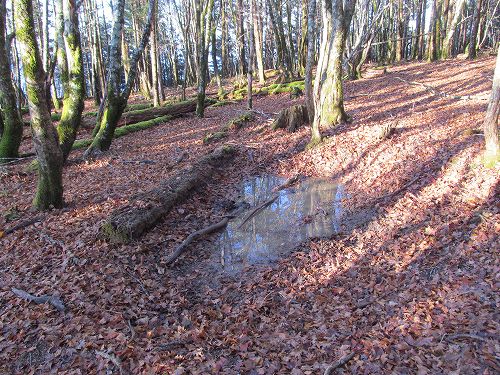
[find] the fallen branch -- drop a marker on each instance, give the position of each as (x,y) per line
(289,182)
(440,93)
(341,362)
(258,208)
(24,224)
(53,300)
(193,236)
(458,336)
(396,192)
(111,357)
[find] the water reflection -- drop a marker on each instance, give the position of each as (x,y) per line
(311,209)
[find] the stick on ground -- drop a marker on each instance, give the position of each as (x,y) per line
(341,362)
(258,208)
(193,236)
(53,300)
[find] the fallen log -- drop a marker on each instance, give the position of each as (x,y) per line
(291,118)
(132,117)
(145,210)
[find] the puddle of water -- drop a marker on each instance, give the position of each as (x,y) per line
(310,209)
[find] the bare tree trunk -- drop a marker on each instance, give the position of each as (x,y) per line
(311,23)
(154,59)
(491,134)
(328,91)
(432,47)
(203,31)
(117,97)
(473,34)
(449,41)
(257,29)
(74,94)
(422,31)
(240,36)
(251,40)
(12,125)
(50,161)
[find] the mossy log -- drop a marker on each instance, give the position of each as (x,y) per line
(291,118)
(145,210)
(172,110)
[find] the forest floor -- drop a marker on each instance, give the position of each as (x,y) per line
(412,288)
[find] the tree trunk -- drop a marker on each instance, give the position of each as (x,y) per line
(50,188)
(416,38)
(257,29)
(303,39)
(154,59)
(251,40)
(432,48)
(116,97)
(240,35)
(74,93)
(328,90)
(421,48)
(449,42)
(473,34)
(203,32)
(12,125)
(144,211)
(490,126)
(308,87)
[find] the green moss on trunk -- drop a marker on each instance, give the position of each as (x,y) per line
(12,124)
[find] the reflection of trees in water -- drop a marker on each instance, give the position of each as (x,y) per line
(310,210)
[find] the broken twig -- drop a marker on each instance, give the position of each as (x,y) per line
(111,357)
(193,236)
(341,362)
(24,224)
(53,300)
(289,182)
(258,208)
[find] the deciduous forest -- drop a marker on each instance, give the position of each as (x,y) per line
(249,187)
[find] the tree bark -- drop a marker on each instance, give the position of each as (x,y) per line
(251,41)
(203,20)
(50,160)
(308,81)
(257,29)
(328,91)
(449,42)
(473,34)
(74,93)
(154,59)
(117,97)
(12,125)
(490,126)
